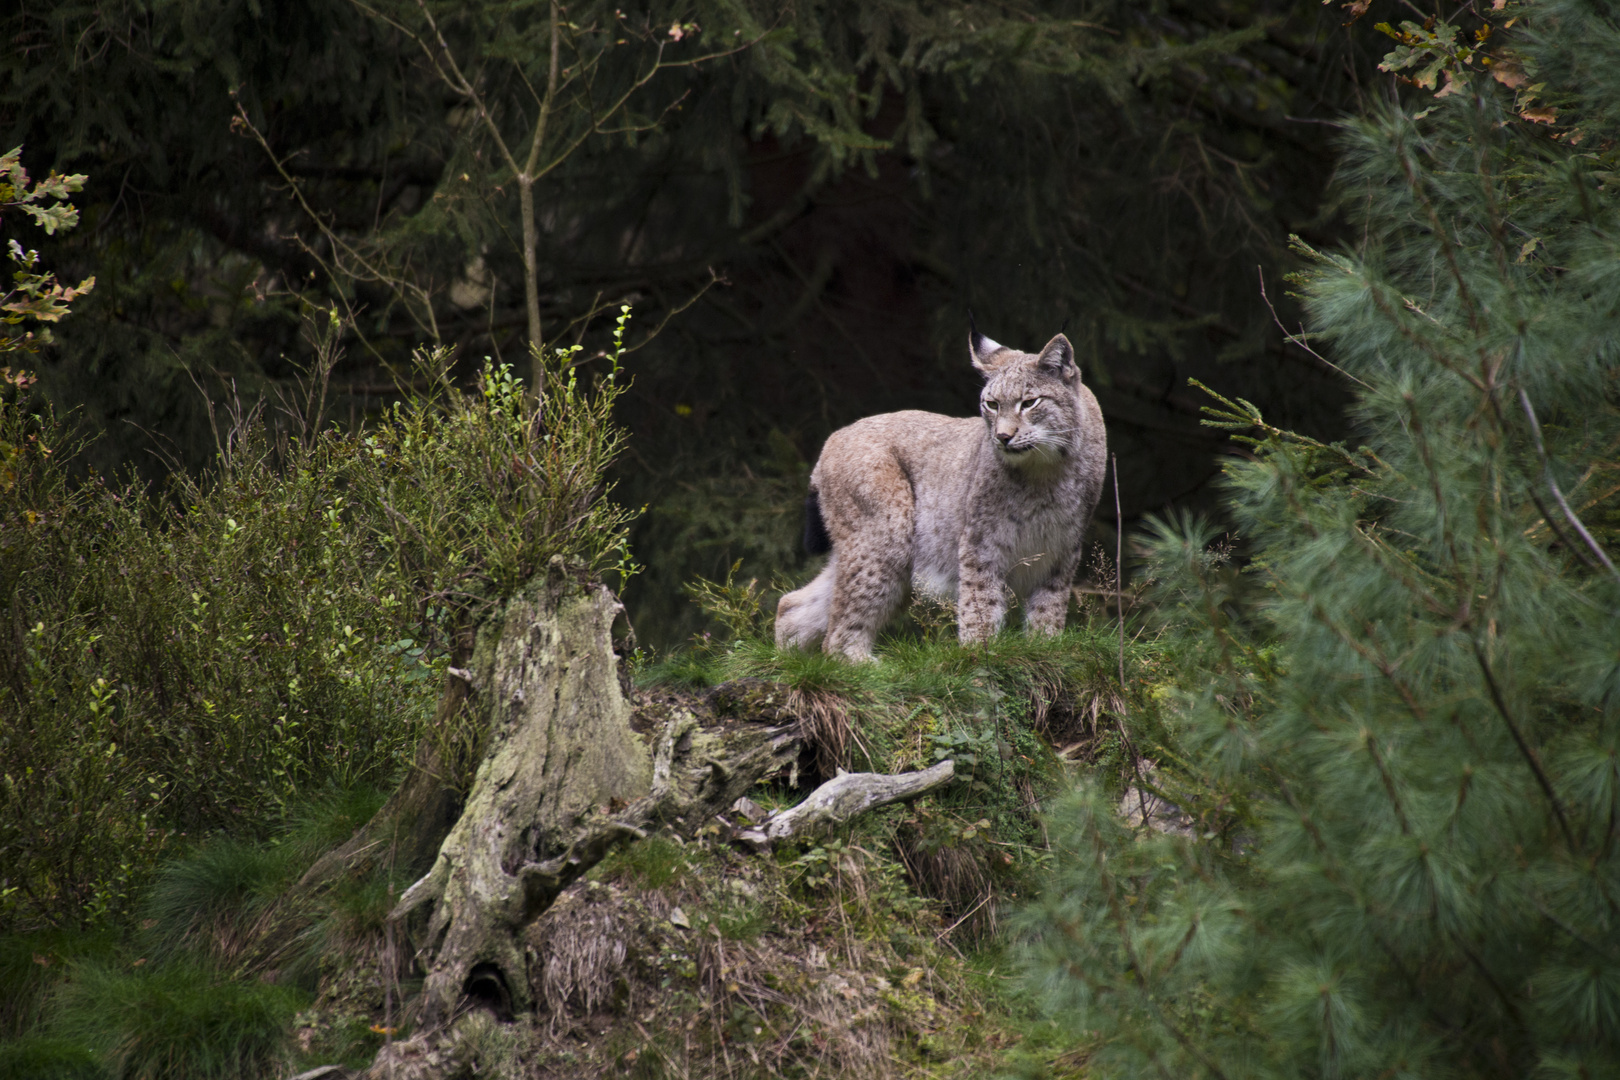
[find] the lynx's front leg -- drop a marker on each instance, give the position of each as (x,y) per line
(1047,608)
(981,601)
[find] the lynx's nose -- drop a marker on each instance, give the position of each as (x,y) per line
(1003,438)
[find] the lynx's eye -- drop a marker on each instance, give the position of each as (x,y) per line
(991,405)
(1029,403)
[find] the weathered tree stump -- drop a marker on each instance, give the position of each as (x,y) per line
(570,771)
(560,747)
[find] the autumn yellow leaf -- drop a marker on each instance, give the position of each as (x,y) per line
(1509,72)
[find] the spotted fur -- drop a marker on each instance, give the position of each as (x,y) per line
(979,511)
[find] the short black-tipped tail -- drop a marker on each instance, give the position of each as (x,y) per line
(816,539)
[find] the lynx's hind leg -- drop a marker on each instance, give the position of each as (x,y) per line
(801,615)
(872,530)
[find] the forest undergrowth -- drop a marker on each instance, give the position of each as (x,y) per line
(878,950)
(208,687)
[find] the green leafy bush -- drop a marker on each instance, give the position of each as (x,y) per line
(1402,724)
(207,657)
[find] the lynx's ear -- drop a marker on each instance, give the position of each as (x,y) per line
(1058,359)
(981,347)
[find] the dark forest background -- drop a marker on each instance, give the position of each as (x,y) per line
(801,201)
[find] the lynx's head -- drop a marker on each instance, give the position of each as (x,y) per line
(1028,401)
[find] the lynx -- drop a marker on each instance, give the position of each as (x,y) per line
(979,511)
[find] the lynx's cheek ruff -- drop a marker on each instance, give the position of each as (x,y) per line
(974,509)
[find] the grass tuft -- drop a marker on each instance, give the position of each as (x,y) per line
(330,816)
(32,964)
(208,901)
(182,1020)
(48,1057)
(655,862)
(179,1020)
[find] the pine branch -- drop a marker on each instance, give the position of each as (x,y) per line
(1552,485)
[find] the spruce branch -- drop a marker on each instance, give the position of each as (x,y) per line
(1241,414)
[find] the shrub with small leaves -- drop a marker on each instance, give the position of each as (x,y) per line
(201,659)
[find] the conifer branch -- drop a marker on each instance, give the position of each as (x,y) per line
(1406,332)
(1525,749)
(1335,874)
(1490,979)
(1372,656)
(1447,247)
(1389,781)
(1558,494)
(1137,972)
(1447,533)
(1243,414)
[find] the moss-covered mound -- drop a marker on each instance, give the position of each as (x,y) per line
(876,950)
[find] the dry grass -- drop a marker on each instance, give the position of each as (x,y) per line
(578,953)
(1073,719)
(824,724)
(958,877)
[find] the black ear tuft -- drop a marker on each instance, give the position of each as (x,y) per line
(1058,357)
(980,347)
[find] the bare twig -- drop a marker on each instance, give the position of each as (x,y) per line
(534,167)
(1119,588)
(1552,485)
(1299,338)
(359,265)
